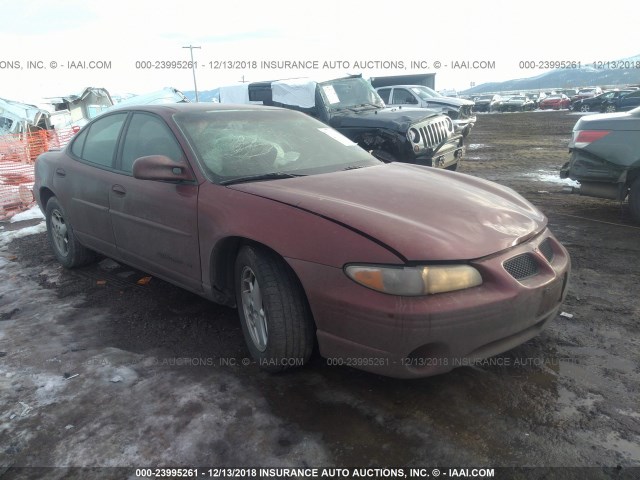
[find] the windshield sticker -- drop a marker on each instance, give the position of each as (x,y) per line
(331,94)
(337,136)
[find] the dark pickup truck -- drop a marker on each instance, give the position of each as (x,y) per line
(351,106)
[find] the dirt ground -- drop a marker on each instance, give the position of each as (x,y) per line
(98,371)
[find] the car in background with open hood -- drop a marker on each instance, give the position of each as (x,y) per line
(458,109)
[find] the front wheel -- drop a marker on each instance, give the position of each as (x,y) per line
(610,109)
(69,252)
(634,199)
(585,108)
(276,319)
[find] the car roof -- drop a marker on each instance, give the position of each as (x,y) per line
(404,86)
(171,108)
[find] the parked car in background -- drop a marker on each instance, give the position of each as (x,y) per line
(595,104)
(486,103)
(605,157)
(458,109)
(586,93)
(569,92)
(516,103)
(535,98)
(555,102)
(621,103)
(354,108)
(276,213)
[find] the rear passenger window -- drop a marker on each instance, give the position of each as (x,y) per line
(148,135)
(98,144)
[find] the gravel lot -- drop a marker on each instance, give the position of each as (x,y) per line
(98,371)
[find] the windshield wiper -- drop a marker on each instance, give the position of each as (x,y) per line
(257,178)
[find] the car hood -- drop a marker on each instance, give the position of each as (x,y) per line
(398,119)
(420,213)
(452,102)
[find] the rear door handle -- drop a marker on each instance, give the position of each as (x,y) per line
(119,190)
(60,172)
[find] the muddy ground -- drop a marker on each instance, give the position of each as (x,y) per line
(98,371)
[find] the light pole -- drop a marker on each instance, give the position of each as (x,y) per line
(193,69)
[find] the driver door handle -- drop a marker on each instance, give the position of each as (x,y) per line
(119,190)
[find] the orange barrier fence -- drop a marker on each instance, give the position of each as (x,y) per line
(18,153)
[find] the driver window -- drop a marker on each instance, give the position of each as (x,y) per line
(148,135)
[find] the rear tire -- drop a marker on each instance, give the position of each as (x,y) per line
(634,199)
(69,252)
(275,317)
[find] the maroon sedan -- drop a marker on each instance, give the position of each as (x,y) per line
(555,102)
(394,268)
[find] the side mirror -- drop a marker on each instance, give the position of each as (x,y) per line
(161,168)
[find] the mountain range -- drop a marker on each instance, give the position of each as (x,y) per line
(587,75)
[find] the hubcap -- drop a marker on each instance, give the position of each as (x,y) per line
(59,233)
(254,314)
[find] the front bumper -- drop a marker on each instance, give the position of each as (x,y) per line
(411,337)
(446,156)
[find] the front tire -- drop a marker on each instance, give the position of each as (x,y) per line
(69,252)
(585,108)
(610,109)
(275,317)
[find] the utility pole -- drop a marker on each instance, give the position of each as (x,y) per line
(193,69)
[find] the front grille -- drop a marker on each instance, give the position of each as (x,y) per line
(435,132)
(522,266)
(547,250)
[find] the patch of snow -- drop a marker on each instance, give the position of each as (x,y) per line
(31,214)
(551,177)
(8,237)
(475,146)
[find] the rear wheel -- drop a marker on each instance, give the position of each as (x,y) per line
(276,320)
(610,108)
(634,199)
(69,252)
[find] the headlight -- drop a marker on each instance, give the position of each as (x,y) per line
(449,124)
(415,281)
(413,135)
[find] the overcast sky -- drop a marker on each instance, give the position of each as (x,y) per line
(121,33)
